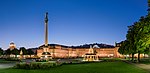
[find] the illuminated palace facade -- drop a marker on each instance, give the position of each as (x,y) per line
(60,51)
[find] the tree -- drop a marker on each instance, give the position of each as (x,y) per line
(7,52)
(146,51)
(138,36)
(124,49)
(23,50)
(146,33)
(148,6)
(15,52)
(1,51)
(121,49)
(30,52)
(143,35)
(131,34)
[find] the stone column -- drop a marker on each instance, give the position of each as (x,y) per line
(46,29)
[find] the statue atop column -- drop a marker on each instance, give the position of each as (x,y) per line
(46,17)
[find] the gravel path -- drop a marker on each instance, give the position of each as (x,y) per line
(8,65)
(144,66)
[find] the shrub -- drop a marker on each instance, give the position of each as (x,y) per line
(110,59)
(36,65)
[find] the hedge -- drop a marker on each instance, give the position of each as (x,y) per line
(36,65)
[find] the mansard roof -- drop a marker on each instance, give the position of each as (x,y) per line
(53,45)
(95,45)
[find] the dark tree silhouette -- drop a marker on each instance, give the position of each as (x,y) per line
(30,52)
(1,51)
(7,52)
(24,50)
(15,52)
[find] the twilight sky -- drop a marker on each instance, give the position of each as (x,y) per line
(71,22)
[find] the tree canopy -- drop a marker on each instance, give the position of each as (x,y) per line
(1,51)
(137,37)
(23,50)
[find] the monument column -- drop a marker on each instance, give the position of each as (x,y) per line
(46,29)
(46,55)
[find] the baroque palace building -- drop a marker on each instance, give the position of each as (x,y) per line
(61,51)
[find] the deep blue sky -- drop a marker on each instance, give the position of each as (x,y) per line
(71,22)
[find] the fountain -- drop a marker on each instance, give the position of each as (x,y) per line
(91,55)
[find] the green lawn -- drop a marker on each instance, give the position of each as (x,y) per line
(101,67)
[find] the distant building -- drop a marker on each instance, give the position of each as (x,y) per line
(12,46)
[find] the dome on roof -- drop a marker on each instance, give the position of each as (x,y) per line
(12,46)
(95,46)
